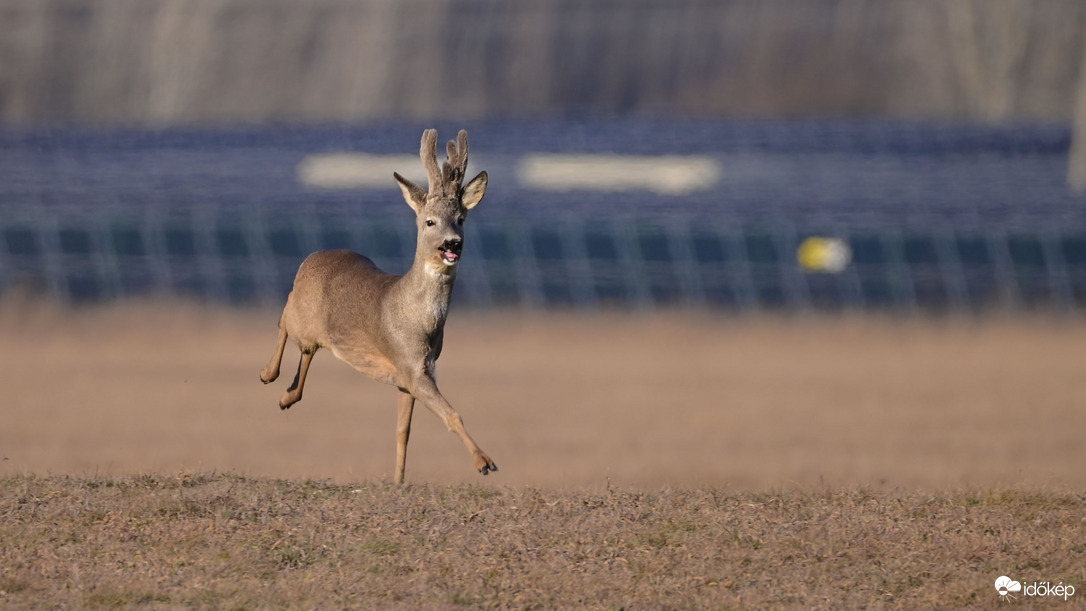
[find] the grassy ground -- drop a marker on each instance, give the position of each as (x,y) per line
(675,460)
(225,541)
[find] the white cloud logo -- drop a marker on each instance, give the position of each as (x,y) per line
(1005,586)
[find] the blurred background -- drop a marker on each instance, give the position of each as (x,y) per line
(674,186)
(784,154)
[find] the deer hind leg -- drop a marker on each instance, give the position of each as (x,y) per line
(403,432)
(271,372)
(425,390)
(294,393)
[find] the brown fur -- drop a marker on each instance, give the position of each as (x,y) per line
(390,327)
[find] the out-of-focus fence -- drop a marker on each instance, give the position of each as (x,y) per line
(579,213)
(220,256)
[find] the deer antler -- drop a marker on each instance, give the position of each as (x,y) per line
(446,179)
(428,153)
(454,169)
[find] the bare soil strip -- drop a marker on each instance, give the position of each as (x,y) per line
(559,400)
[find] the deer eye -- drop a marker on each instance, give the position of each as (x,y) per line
(430,222)
(460,221)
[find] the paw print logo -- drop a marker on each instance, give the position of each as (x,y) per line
(1004,585)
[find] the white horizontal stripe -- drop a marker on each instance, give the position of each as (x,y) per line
(354,170)
(665,174)
(668,174)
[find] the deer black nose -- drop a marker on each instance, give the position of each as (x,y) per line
(454,245)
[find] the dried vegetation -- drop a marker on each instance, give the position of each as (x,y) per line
(227,541)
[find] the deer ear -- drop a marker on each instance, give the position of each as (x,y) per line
(474,191)
(415,196)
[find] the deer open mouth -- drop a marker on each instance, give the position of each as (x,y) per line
(448,256)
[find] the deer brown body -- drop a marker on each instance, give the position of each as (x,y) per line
(386,326)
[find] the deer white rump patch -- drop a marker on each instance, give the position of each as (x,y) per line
(667,174)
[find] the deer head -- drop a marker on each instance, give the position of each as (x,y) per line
(442,208)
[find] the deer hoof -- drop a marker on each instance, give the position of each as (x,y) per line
(268,378)
(487,466)
(289,398)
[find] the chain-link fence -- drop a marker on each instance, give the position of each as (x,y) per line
(620,213)
(222,257)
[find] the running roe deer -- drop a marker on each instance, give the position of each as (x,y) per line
(386,326)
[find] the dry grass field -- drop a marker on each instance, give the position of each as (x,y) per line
(228,542)
(647,461)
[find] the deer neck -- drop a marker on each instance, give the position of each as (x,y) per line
(429,288)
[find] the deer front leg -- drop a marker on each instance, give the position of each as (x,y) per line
(403,432)
(294,393)
(424,389)
(271,371)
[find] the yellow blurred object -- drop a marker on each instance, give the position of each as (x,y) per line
(818,254)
